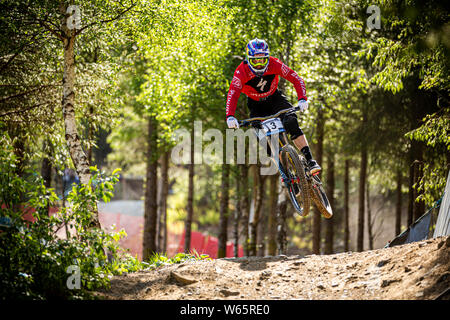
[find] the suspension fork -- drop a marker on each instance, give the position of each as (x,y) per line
(282,141)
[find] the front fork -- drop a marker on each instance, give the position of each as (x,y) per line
(282,141)
(287,181)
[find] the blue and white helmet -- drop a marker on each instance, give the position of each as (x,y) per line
(258,56)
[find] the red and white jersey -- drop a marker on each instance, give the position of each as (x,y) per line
(256,88)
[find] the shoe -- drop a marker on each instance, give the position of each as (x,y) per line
(314,167)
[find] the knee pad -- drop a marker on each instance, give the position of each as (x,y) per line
(290,123)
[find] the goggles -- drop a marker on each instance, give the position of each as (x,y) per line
(258,62)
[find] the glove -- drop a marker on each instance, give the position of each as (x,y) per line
(232,122)
(303,105)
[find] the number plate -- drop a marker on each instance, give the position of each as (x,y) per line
(272,126)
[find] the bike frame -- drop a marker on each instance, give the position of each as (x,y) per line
(282,138)
(312,182)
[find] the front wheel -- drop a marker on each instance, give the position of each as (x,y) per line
(296,180)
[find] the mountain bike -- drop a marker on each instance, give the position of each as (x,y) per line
(292,166)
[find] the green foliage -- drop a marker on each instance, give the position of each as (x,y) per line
(396,76)
(158,260)
(413,39)
(174,60)
(31,72)
(435,130)
(33,259)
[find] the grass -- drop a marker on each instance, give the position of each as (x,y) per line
(158,259)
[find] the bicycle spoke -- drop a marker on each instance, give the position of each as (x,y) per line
(297,184)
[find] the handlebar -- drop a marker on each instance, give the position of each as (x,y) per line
(247,122)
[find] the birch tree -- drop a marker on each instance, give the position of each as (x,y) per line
(66,23)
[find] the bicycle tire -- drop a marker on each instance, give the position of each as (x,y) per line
(303,183)
(320,198)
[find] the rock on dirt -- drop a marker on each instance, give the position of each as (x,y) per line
(415,271)
(182,279)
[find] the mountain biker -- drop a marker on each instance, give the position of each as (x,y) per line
(257,77)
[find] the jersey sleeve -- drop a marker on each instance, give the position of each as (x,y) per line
(234,92)
(292,76)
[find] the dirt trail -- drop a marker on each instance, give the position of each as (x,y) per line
(419,270)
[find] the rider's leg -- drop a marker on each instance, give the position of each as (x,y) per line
(302,145)
(291,125)
(301,142)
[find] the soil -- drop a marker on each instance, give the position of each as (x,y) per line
(414,271)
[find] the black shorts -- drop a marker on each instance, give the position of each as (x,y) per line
(271,105)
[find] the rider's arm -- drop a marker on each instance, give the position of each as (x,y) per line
(234,91)
(291,76)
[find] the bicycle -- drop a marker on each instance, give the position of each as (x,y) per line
(292,166)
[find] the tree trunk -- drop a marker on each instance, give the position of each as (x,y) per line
(252,210)
(319,158)
(237,213)
(158,207)
(398,205)
(419,206)
(256,209)
(46,168)
(262,227)
(411,192)
(369,217)
(346,205)
(190,200)
(165,177)
(259,211)
(272,219)
(362,185)
(150,214)
(329,223)
(245,209)
(415,208)
(79,158)
(90,135)
(163,192)
(223,222)
(281,219)
(448,159)
(77,154)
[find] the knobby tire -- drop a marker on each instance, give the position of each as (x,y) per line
(320,198)
(289,152)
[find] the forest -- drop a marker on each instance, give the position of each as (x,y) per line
(105,88)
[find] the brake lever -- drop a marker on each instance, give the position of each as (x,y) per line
(243,123)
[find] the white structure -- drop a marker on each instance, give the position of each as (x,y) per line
(443,222)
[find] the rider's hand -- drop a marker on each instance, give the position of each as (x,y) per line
(232,122)
(303,105)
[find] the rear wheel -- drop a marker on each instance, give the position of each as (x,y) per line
(298,188)
(320,198)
